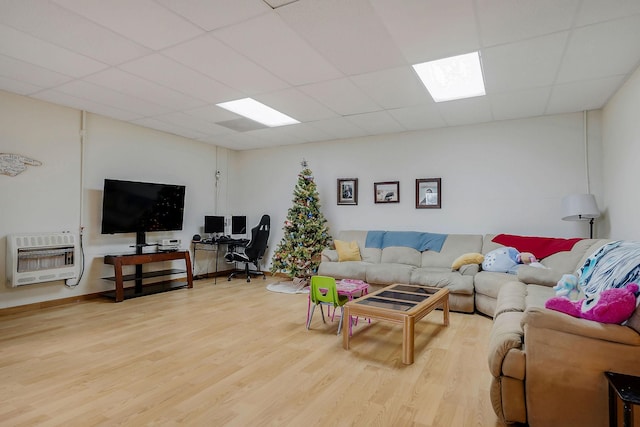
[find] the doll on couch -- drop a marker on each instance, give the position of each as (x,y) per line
(508,260)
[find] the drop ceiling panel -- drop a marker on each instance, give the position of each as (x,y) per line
(188,121)
(176,76)
(393,88)
(592,11)
(212,14)
(218,61)
(168,127)
(212,113)
(124,82)
(29,73)
(466,111)
(506,21)
(522,65)
(420,27)
(418,117)
(341,96)
(47,21)
(296,104)
(376,123)
(19,87)
(268,41)
(34,51)
(142,21)
(586,95)
(92,92)
(339,128)
(518,104)
(67,100)
(602,50)
(348,33)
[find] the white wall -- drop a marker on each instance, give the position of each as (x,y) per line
(47,198)
(621,146)
(499,177)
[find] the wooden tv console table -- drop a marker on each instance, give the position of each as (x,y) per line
(138,259)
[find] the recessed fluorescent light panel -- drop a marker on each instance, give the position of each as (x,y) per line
(259,112)
(452,78)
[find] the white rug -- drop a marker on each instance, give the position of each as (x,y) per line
(288,287)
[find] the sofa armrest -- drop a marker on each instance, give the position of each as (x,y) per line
(538,276)
(553,320)
(329,255)
(469,269)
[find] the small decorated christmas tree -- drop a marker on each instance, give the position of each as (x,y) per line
(305,231)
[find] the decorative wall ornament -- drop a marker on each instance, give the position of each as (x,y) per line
(14,164)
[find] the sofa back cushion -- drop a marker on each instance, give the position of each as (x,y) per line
(371,255)
(400,255)
(454,246)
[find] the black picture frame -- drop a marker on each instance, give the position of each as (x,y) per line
(386,192)
(429,193)
(347,191)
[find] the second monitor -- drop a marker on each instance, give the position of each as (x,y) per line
(238,226)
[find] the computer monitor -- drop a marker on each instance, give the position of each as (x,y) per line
(238,226)
(213,224)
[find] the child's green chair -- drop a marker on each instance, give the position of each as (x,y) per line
(324,292)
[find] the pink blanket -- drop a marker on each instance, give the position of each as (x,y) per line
(540,247)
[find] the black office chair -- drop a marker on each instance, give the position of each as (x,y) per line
(254,251)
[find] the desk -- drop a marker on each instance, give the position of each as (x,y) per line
(138,259)
(215,247)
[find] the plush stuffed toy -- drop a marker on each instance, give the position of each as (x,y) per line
(609,306)
(567,287)
(526,258)
(501,260)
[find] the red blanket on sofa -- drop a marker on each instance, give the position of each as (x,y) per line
(540,247)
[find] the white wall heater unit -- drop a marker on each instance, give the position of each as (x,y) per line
(41,257)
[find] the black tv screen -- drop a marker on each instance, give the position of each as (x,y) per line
(132,207)
(213,224)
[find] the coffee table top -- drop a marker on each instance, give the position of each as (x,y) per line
(400,297)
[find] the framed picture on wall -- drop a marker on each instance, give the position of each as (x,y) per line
(347,191)
(386,192)
(428,193)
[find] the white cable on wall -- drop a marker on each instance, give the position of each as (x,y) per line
(586,149)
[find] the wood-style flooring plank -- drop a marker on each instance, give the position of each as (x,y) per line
(235,354)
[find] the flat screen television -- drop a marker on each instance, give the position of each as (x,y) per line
(138,207)
(213,224)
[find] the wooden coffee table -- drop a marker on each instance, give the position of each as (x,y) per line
(398,303)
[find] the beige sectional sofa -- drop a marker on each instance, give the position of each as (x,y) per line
(547,367)
(407,265)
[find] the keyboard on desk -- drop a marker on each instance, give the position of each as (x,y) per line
(232,242)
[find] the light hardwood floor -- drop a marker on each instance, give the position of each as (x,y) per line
(235,354)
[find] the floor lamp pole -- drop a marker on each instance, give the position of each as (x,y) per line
(591,228)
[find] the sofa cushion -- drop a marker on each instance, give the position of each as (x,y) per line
(537,295)
(454,246)
(506,334)
(388,273)
(489,283)
(442,277)
(468,258)
(347,251)
(512,297)
(400,255)
(344,270)
(539,276)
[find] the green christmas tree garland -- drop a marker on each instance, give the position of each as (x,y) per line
(305,231)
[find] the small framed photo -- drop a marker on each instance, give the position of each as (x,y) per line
(386,192)
(347,191)
(428,193)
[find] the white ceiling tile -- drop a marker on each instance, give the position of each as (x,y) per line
(376,123)
(339,128)
(60,98)
(48,21)
(592,11)
(348,33)
(283,135)
(168,127)
(419,27)
(267,40)
(519,104)
(188,121)
(466,111)
(418,117)
(583,95)
(212,113)
(296,104)
(30,74)
(212,14)
(506,21)
(240,141)
(24,47)
(176,76)
(530,63)
(602,50)
(19,87)
(218,61)
(341,96)
(92,92)
(142,21)
(124,82)
(393,88)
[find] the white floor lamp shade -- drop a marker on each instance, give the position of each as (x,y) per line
(580,207)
